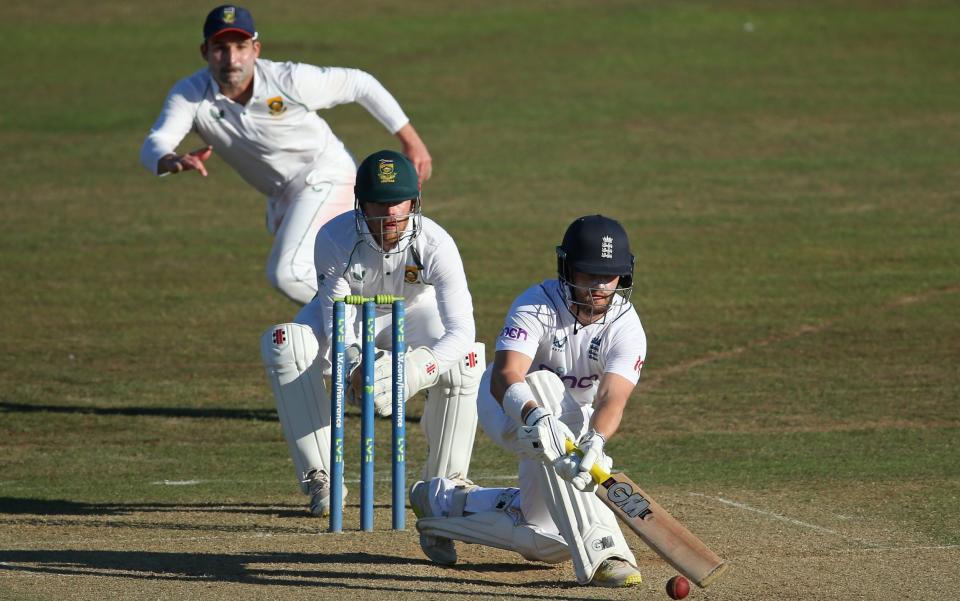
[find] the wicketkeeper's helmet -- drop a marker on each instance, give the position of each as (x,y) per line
(387,177)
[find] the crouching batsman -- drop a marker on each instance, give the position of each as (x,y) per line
(566,362)
(384,246)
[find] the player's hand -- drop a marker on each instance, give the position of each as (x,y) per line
(382,384)
(591,446)
(416,151)
(191,161)
(421,159)
(543,436)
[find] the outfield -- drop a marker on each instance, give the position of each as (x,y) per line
(788,172)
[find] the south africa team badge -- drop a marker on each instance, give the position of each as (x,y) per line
(386,171)
(276,106)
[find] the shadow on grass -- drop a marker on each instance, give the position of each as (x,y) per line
(28,506)
(344,571)
(267,415)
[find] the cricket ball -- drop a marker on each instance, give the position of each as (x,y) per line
(678,587)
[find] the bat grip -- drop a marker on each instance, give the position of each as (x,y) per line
(598,473)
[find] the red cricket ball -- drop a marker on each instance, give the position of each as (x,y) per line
(678,587)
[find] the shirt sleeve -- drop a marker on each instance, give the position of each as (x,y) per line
(628,350)
(523,328)
(326,87)
(453,302)
(171,127)
(331,284)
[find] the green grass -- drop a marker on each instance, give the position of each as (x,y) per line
(790,193)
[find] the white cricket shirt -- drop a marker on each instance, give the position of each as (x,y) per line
(540,326)
(277,133)
(429,270)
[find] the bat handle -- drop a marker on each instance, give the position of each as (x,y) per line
(599,474)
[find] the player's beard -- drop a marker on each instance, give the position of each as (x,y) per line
(233,77)
(591,304)
(387,231)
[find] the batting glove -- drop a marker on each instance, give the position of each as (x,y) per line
(591,446)
(543,436)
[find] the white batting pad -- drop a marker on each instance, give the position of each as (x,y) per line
(449,420)
(498,529)
(289,353)
(584,522)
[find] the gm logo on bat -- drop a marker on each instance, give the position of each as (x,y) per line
(621,494)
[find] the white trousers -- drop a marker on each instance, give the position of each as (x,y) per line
(296,216)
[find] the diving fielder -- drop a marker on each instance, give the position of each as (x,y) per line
(260,116)
(567,359)
(384,246)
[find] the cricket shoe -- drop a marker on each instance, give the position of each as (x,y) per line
(318,487)
(616,573)
(437,548)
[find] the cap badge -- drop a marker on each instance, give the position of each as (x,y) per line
(606,247)
(386,171)
(229,15)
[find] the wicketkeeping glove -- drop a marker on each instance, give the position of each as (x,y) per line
(382,384)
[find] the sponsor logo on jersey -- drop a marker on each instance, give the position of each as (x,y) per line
(594,351)
(514,333)
(386,171)
(572,380)
(276,106)
(559,343)
(606,247)
(411,274)
(279,336)
(638,364)
(217,114)
(357,272)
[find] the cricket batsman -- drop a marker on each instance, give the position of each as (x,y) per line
(567,359)
(384,246)
(261,117)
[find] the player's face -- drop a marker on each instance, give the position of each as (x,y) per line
(387,221)
(593,293)
(231,57)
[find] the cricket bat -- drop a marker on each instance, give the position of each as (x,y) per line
(658,529)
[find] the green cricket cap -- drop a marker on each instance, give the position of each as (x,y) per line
(385,177)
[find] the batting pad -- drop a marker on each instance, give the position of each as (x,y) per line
(289,352)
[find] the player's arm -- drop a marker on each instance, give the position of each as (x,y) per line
(326,87)
(611,400)
(509,368)
(158,153)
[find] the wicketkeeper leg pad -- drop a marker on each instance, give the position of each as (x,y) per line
(290,356)
(449,420)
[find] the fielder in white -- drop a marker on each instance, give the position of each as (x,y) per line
(567,359)
(260,116)
(384,246)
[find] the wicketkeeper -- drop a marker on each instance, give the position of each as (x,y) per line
(567,359)
(384,246)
